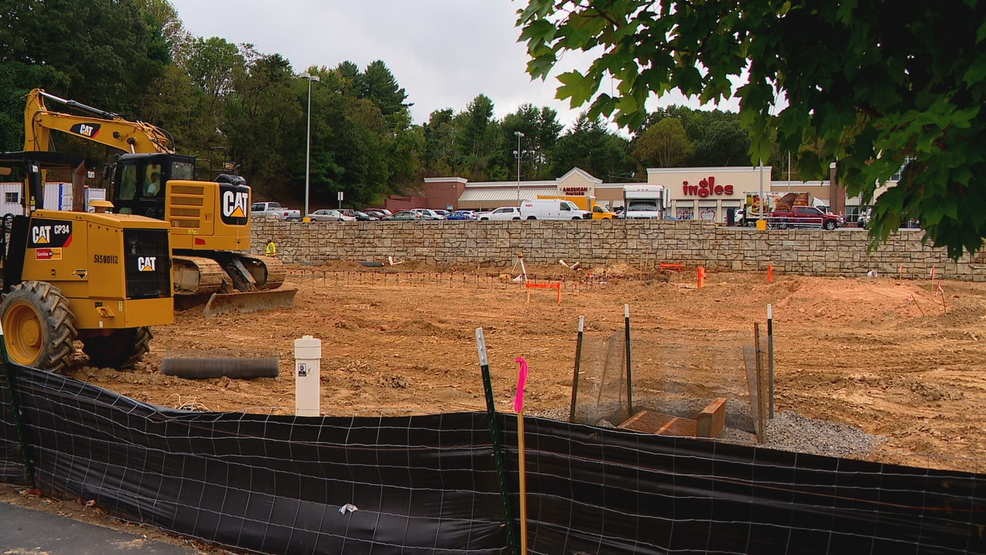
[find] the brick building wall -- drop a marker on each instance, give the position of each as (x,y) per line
(598,242)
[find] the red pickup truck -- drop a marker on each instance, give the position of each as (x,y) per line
(804,216)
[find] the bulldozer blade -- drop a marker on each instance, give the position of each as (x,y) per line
(224,303)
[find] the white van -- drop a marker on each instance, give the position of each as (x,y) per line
(552,209)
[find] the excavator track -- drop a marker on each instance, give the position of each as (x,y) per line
(237,283)
(268,271)
(197,275)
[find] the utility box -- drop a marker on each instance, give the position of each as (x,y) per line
(307,381)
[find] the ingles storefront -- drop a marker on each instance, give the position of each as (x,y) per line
(709,193)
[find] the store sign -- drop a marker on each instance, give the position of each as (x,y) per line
(574,191)
(706,188)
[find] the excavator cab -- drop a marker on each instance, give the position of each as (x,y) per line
(140,181)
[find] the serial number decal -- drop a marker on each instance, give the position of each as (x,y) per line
(105,259)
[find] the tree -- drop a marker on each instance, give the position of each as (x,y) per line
(260,115)
(724,144)
(440,154)
(541,131)
(664,145)
(103,51)
(591,147)
(210,64)
(106,53)
(380,86)
(478,138)
(876,85)
(172,30)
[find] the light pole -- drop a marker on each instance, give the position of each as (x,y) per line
(308,143)
(517,153)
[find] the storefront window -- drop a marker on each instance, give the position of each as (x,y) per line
(707,210)
(685,210)
(852,214)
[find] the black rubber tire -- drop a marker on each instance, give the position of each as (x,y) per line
(38,325)
(531,217)
(120,349)
(830,225)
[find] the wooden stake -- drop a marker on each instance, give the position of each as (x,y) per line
(521,458)
(915,301)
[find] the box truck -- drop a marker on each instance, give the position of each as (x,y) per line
(552,209)
(587,203)
(645,202)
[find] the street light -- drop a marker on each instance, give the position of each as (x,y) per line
(308,152)
(517,153)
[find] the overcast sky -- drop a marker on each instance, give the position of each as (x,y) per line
(443,52)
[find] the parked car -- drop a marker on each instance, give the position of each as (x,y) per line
(804,216)
(461,215)
(329,215)
(348,212)
(865,216)
(274,210)
(365,217)
(503,213)
(427,214)
(381,213)
(405,215)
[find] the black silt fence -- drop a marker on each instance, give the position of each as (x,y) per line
(427,484)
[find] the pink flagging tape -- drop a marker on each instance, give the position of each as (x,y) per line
(521,383)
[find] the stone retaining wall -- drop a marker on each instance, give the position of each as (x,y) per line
(599,242)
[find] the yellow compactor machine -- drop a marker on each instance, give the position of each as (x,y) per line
(101,278)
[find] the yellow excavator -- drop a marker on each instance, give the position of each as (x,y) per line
(209,220)
(101,278)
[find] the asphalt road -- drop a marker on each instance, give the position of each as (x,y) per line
(29,532)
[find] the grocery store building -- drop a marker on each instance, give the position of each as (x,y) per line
(693,193)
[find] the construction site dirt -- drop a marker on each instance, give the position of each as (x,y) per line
(902,360)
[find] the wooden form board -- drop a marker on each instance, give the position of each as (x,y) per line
(708,424)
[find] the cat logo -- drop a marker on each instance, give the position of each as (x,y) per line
(86,129)
(41,234)
(147,263)
(235,204)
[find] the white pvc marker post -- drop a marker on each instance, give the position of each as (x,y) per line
(307,384)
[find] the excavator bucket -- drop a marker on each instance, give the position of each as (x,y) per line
(224,303)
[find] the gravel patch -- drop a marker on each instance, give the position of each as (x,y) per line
(790,431)
(787,431)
